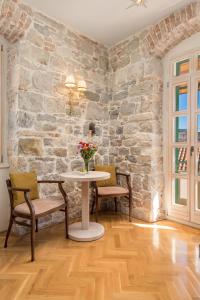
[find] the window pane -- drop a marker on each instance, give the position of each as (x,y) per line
(180,191)
(198,62)
(181,97)
(198,128)
(198,95)
(180,158)
(198,195)
(182,67)
(181,129)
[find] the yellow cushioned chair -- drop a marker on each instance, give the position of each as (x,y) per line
(26,180)
(111,188)
(26,203)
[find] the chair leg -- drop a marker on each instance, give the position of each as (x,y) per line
(97,207)
(66,223)
(33,238)
(8,231)
(115,204)
(36,225)
(93,203)
(130,207)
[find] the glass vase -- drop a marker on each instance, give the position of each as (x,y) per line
(86,166)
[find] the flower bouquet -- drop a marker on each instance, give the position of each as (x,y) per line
(87,151)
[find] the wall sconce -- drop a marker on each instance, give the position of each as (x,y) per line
(74,87)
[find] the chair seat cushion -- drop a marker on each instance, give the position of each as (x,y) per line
(40,205)
(112,191)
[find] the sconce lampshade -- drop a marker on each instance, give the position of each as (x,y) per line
(82,87)
(70,81)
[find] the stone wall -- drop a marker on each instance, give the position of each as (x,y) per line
(43,133)
(136,81)
(135,125)
(124,98)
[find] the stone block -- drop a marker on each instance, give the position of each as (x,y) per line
(24,80)
(92,96)
(130,128)
(58,63)
(62,165)
(132,158)
(42,168)
(35,38)
(31,102)
(34,54)
(42,81)
(127,108)
(120,96)
(60,152)
(30,146)
(96,112)
(46,118)
(25,119)
(114,114)
(54,105)
(45,126)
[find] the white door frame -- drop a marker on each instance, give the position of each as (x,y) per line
(184,215)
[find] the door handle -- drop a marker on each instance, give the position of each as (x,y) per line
(191,150)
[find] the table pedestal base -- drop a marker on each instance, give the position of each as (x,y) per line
(94,232)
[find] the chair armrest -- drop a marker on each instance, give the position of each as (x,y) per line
(50,181)
(123,174)
(26,197)
(128,179)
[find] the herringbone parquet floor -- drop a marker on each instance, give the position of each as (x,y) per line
(134,261)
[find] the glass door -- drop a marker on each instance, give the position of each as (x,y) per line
(195,154)
(180,146)
(184,139)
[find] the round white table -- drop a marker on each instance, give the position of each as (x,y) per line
(85,231)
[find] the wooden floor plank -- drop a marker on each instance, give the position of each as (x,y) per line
(135,261)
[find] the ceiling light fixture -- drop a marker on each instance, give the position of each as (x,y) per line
(138,3)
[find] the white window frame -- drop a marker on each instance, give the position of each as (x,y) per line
(3,104)
(187,50)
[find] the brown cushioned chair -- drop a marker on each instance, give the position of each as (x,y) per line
(26,203)
(111,188)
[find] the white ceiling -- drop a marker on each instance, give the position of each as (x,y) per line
(106,21)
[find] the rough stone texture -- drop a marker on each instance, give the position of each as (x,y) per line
(136,79)
(173,29)
(136,123)
(42,134)
(15,19)
(124,98)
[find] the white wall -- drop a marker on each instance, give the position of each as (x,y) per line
(4,201)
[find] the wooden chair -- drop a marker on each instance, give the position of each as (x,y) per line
(34,209)
(114,191)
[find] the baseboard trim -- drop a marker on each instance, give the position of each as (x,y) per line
(183,222)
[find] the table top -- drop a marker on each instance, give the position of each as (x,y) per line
(90,176)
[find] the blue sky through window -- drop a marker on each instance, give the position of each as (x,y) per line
(182,102)
(182,124)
